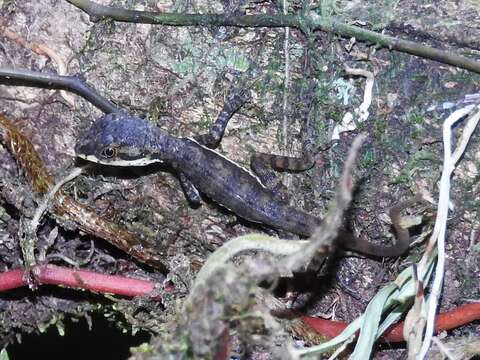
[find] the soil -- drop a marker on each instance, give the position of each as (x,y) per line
(178,77)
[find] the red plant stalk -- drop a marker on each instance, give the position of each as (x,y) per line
(121,285)
(78,279)
(451,319)
(11,279)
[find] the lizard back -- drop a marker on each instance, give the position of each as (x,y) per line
(239,190)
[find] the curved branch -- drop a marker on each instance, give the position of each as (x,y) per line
(314,22)
(69,83)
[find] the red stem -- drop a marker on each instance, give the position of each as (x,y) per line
(78,279)
(120,285)
(11,279)
(445,321)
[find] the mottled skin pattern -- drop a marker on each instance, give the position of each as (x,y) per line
(122,140)
(239,190)
(119,136)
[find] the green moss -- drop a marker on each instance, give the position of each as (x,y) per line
(402,178)
(465,79)
(233,59)
(368,157)
(144,349)
(416,118)
(184,66)
(417,133)
(379,127)
(381,12)
(419,162)
(56,320)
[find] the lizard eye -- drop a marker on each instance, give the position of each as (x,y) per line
(109,152)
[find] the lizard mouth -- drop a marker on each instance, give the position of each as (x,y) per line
(144,161)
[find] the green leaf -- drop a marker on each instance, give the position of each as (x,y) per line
(373,314)
(4,354)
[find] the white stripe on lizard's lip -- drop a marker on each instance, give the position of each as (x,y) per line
(138,162)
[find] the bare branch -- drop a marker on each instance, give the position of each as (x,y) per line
(53,81)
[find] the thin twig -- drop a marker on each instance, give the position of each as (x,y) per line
(48,198)
(28,233)
(443,349)
(252,242)
(310,21)
(53,81)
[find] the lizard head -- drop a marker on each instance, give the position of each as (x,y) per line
(122,140)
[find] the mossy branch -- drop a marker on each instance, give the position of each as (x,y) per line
(305,21)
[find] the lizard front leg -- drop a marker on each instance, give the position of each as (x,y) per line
(191,192)
(235,100)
